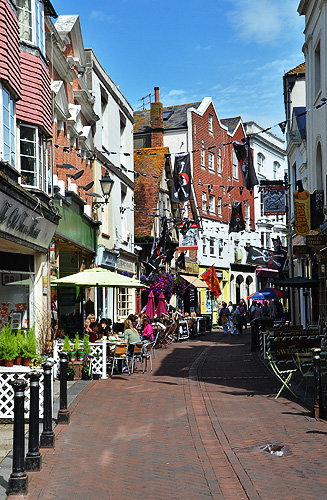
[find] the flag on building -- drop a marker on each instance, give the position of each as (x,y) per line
(267,258)
(180,261)
(245,160)
(236,223)
(210,277)
(181,187)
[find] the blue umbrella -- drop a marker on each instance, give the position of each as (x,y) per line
(267,294)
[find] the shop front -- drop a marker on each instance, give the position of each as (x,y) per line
(209,303)
(72,249)
(27,225)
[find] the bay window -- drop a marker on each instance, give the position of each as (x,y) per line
(33,158)
(31,22)
(8,128)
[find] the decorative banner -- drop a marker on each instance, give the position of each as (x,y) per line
(210,277)
(274,200)
(236,223)
(267,258)
(189,240)
(180,261)
(181,186)
(301,199)
(163,251)
(245,160)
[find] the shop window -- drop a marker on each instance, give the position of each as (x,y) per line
(15,290)
(8,128)
(33,158)
(31,21)
(124,302)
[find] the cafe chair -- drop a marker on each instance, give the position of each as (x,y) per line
(147,354)
(119,355)
(135,354)
(284,376)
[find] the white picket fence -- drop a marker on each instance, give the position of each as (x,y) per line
(98,353)
(9,374)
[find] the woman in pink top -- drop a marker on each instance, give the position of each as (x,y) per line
(147,333)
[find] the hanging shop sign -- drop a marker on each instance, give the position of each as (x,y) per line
(18,221)
(274,200)
(316,240)
(189,240)
(302,212)
(300,249)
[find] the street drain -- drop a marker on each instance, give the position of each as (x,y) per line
(277,449)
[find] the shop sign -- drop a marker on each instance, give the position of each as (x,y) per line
(274,200)
(125,265)
(107,259)
(300,249)
(21,222)
(189,240)
(302,212)
(316,240)
(45,285)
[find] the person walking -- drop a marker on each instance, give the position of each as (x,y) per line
(223,317)
(242,313)
(235,320)
(230,307)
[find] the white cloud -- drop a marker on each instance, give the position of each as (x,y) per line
(265,21)
(100,15)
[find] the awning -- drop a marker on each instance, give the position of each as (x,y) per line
(265,272)
(193,280)
(297,282)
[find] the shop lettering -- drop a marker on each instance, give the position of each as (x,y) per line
(15,219)
(301,219)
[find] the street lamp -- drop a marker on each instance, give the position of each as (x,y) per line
(106,185)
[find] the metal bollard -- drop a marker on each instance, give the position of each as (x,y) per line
(318,408)
(33,460)
(47,438)
(18,480)
(63,413)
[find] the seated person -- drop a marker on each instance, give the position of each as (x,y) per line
(104,330)
(147,333)
(130,333)
(92,328)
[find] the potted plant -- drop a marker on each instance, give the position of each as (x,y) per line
(9,345)
(70,371)
(77,347)
(20,338)
(29,350)
(86,368)
(86,344)
(2,361)
(67,347)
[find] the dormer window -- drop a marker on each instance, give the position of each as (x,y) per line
(31,22)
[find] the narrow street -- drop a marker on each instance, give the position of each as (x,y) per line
(200,426)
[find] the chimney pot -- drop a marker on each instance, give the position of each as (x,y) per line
(156,94)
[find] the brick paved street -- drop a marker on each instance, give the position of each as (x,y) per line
(193,429)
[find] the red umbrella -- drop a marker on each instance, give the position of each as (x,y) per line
(150,307)
(161,308)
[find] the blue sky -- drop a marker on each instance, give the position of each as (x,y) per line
(235,51)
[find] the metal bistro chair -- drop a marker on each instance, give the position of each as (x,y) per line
(135,354)
(120,354)
(156,331)
(147,354)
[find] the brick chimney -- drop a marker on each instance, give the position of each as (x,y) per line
(156,121)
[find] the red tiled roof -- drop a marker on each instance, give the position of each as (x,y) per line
(299,69)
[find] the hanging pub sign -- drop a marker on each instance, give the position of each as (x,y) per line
(274,200)
(188,240)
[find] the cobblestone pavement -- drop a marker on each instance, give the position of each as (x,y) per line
(199,427)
